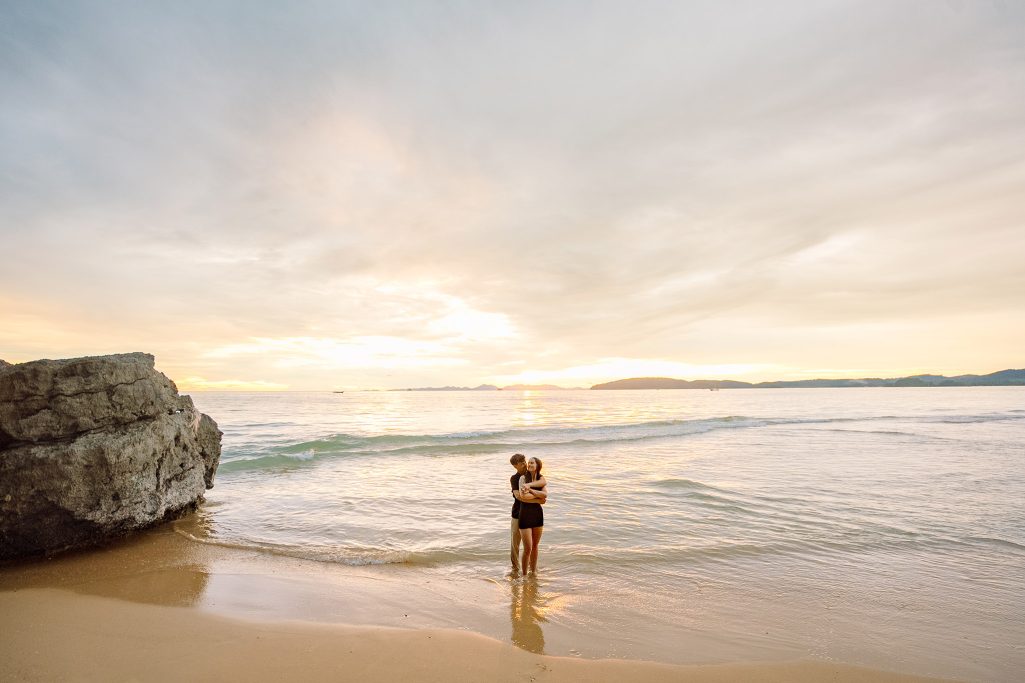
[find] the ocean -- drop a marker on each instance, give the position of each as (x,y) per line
(875,526)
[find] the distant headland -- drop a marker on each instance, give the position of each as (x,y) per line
(1003,378)
(482,387)
(994,379)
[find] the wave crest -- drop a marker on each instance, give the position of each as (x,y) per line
(299,454)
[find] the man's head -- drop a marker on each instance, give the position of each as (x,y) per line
(519,461)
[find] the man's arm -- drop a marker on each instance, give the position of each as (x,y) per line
(539,497)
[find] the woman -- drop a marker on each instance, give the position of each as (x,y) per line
(532,516)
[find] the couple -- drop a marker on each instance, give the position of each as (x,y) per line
(528,519)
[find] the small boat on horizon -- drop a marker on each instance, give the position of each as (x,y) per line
(337,392)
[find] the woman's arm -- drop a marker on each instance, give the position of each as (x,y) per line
(529,495)
(531,486)
(539,496)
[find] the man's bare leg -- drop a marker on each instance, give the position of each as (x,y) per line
(514,554)
(527,536)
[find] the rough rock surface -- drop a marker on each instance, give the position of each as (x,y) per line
(93,448)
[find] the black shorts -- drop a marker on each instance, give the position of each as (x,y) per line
(532,515)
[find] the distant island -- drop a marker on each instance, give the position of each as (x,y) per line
(995,379)
(1002,378)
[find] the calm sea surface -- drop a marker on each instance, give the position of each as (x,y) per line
(877,526)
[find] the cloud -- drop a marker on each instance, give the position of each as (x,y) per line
(484,186)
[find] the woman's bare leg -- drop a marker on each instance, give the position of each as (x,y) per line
(527,537)
(535,541)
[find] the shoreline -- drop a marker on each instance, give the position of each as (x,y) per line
(199,611)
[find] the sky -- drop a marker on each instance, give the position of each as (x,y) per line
(357,195)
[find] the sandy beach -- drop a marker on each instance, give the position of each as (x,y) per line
(139,602)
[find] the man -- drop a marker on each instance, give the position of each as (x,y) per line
(519,461)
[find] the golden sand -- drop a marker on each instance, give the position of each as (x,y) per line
(51,635)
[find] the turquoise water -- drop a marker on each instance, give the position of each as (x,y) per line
(876,526)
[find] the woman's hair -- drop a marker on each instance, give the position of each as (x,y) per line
(537,472)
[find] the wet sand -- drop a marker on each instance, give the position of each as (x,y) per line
(162,607)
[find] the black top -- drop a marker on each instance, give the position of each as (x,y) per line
(514,480)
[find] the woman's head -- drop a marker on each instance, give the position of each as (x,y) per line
(534,468)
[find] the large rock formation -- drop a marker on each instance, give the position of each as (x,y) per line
(93,448)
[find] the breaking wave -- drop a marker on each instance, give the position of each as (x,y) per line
(349,445)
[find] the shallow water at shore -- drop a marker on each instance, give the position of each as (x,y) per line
(874,526)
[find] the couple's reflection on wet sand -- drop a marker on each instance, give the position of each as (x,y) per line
(526,612)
